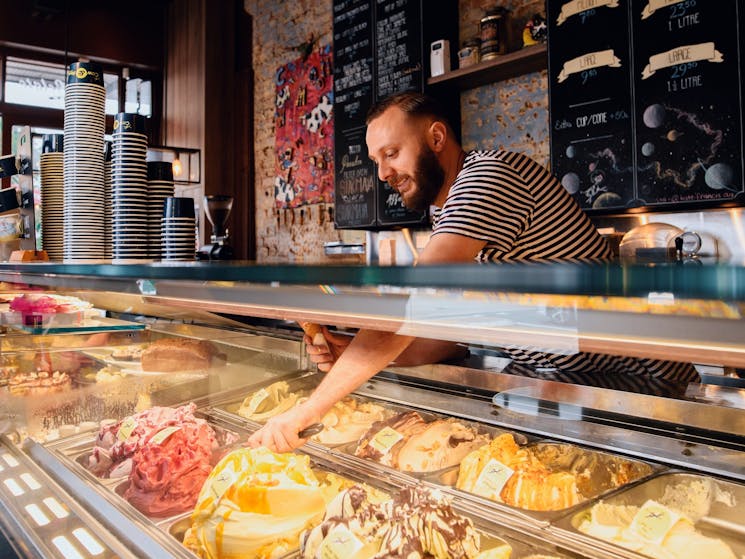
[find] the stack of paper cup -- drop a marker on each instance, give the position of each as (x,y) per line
(53,196)
(178,229)
(129,188)
(85,98)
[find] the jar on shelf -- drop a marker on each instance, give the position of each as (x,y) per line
(469,54)
(492,29)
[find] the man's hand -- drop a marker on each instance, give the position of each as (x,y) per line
(280,434)
(325,354)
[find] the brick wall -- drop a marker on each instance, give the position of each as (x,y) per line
(512,115)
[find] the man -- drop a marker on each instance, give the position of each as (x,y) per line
(495,205)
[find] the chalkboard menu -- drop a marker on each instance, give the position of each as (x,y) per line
(645,102)
(377,52)
(591,132)
(355,183)
(688,99)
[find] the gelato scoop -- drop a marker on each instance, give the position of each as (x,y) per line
(117,442)
(344,423)
(168,472)
(505,472)
(406,442)
(255,504)
(417,523)
(653,530)
(269,401)
(348,420)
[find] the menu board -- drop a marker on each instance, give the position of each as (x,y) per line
(645,107)
(355,184)
(398,48)
(591,105)
(688,98)
(377,52)
(398,67)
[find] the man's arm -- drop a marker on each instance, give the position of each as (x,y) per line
(369,352)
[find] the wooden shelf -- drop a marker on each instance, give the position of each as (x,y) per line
(523,61)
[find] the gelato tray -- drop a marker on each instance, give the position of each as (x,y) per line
(256,503)
(306,510)
(541,480)
(345,423)
(672,515)
(420,443)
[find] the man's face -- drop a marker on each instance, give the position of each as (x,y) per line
(398,146)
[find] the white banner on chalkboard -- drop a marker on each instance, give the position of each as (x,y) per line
(588,62)
(682,55)
(578,6)
(655,5)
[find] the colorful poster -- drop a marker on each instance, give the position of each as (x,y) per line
(304,131)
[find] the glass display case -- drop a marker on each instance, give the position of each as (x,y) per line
(540,467)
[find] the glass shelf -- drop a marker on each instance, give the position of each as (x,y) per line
(89,325)
(718,282)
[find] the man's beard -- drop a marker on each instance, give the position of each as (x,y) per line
(428,178)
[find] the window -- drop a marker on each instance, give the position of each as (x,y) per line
(42,84)
(34,83)
(33,92)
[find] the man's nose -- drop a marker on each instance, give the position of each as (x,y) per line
(384,172)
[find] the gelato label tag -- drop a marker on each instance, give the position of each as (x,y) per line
(492,479)
(220,483)
(256,400)
(163,434)
(340,543)
(654,521)
(126,428)
(384,440)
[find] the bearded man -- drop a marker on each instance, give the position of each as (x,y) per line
(489,205)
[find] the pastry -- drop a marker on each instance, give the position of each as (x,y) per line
(169,355)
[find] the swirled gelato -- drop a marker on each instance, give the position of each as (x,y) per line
(255,503)
(669,535)
(117,442)
(344,423)
(271,400)
(169,470)
(417,523)
(505,472)
(348,420)
(406,442)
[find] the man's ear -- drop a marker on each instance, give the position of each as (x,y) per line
(438,134)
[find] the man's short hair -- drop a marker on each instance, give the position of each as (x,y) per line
(412,103)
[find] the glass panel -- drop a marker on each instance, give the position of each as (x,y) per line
(40,84)
(111,82)
(139,97)
(631,282)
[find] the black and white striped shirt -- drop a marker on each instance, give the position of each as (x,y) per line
(524,213)
(519,209)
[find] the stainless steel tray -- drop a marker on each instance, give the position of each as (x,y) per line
(480,428)
(491,535)
(592,467)
(723,520)
(178,525)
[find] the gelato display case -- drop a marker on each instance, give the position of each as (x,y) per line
(122,436)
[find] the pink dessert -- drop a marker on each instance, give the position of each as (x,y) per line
(167,475)
(117,443)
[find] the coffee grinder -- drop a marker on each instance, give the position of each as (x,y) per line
(217,208)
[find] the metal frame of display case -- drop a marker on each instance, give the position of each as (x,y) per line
(654,311)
